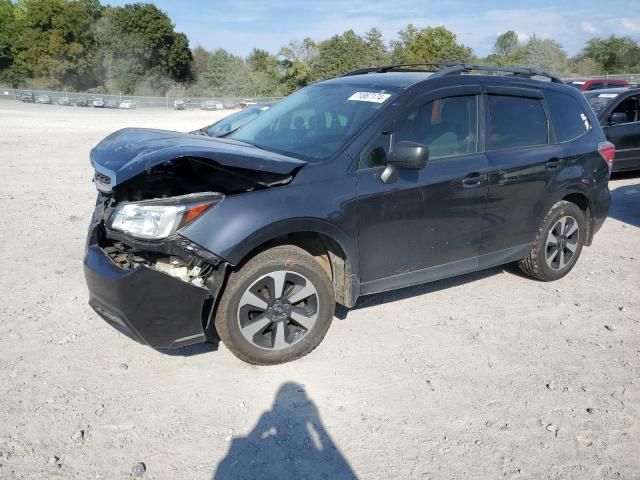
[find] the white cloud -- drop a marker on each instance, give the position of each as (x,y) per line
(588,27)
(569,26)
(630,25)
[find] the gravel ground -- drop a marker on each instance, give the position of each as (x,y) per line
(488,375)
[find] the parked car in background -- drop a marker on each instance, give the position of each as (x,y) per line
(28,97)
(110,104)
(128,105)
(381,179)
(82,102)
(247,102)
(179,105)
(98,102)
(233,122)
(44,99)
(64,101)
(586,84)
(211,105)
(229,105)
(618,111)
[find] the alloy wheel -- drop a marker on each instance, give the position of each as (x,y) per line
(278,310)
(562,243)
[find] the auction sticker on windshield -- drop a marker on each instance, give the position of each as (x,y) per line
(608,95)
(373,97)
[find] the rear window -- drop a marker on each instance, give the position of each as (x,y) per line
(568,117)
(577,84)
(516,122)
(597,86)
(599,101)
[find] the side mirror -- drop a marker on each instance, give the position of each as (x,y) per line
(404,155)
(617,118)
(409,155)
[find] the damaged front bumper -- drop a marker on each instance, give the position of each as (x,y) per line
(145,302)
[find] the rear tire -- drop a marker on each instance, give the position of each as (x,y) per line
(558,243)
(276,308)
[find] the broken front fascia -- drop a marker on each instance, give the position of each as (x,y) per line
(140,289)
(172,255)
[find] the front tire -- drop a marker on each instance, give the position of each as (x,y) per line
(558,243)
(276,308)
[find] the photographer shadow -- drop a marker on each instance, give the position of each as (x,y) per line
(289,441)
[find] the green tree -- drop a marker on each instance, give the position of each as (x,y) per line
(584,66)
(614,54)
(506,44)
(7,36)
(300,50)
(53,42)
(377,50)
(93,7)
(139,49)
(264,76)
(546,54)
(296,62)
(431,44)
(227,75)
(340,54)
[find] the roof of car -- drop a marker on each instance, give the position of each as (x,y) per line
(611,90)
(593,79)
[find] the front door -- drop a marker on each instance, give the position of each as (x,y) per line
(426,224)
(626,135)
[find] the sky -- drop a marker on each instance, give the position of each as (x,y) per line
(241,25)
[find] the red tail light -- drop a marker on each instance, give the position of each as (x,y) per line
(607,150)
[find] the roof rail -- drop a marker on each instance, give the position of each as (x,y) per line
(400,67)
(446,69)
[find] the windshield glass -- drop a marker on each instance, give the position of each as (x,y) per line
(233,121)
(315,122)
(599,101)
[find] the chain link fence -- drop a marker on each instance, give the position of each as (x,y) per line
(129,101)
(629,77)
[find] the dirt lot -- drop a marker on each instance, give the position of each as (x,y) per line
(490,375)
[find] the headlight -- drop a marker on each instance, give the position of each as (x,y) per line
(147,221)
(155,220)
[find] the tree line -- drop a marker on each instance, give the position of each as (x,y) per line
(82,45)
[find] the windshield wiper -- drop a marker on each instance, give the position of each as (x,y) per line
(200,131)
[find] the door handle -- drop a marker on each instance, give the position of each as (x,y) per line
(474,180)
(553,163)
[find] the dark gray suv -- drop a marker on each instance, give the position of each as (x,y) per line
(380,179)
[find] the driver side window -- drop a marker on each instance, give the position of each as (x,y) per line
(447,126)
(629,107)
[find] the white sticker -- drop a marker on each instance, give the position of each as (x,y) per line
(578,83)
(608,95)
(372,97)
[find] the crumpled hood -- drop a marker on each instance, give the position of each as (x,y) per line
(130,151)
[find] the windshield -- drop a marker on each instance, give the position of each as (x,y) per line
(315,122)
(599,101)
(233,121)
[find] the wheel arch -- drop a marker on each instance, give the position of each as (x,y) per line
(578,195)
(330,247)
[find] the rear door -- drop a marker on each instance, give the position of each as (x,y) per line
(522,163)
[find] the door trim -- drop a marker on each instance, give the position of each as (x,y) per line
(452,269)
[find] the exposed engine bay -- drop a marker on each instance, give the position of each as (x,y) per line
(194,271)
(188,175)
(181,180)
